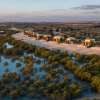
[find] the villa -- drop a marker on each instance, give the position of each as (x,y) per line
(58,38)
(47,37)
(70,40)
(39,36)
(89,42)
(29,33)
(2,33)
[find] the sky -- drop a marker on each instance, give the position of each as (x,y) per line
(49,10)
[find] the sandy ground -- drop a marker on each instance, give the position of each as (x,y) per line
(53,45)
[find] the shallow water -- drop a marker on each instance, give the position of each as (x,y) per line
(8,46)
(86,88)
(38,71)
(11,66)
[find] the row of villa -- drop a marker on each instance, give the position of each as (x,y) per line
(88,42)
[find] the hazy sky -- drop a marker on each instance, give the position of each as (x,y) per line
(49,10)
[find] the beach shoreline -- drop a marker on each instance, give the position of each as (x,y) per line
(70,48)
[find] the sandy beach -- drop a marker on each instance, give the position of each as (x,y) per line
(53,45)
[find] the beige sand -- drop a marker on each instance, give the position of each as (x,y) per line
(53,45)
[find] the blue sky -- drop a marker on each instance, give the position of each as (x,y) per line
(25,10)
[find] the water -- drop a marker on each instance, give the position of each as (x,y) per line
(8,46)
(10,66)
(38,71)
(86,89)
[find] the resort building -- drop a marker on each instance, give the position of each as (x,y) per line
(89,42)
(70,40)
(30,33)
(2,32)
(39,36)
(47,37)
(56,31)
(34,34)
(58,39)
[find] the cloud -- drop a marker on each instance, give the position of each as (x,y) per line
(53,13)
(87,7)
(95,13)
(56,15)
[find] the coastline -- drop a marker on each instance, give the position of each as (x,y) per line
(70,48)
